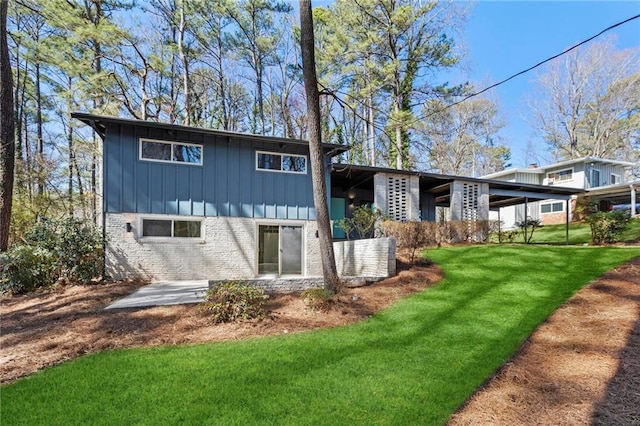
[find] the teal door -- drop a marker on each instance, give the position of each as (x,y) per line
(338,209)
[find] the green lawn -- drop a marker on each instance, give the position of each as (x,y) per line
(579,233)
(414,363)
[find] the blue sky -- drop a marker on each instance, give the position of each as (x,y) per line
(505,37)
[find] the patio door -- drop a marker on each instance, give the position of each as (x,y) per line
(279,250)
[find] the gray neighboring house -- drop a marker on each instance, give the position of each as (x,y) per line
(190,203)
(609,181)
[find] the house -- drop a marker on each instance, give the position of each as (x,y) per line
(608,181)
(189,203)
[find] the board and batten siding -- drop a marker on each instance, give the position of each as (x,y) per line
(226,184)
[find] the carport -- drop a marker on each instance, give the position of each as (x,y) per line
(353,185)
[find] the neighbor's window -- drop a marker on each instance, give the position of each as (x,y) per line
(560,176)
(171,228)
(552,207)
(172,152)
(615,179)
(289,163)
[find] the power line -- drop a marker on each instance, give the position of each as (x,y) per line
(528,69)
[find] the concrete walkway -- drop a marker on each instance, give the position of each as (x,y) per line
(164,293)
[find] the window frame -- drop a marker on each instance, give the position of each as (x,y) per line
(282,155)
(552,181)
(171,237)
(551,204)
(172,144)
(615,177)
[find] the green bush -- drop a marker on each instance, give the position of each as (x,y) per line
(71,249)
(317,299)
(362,224)
(607,227)
(25,268)
(234,300)
(528,227)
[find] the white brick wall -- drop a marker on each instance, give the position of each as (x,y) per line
(373,257)
(227,250)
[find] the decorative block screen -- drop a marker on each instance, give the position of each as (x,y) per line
(398,198)
(470,201)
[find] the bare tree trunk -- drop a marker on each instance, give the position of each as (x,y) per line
(329,270)
(185,66)
(371,132)
(7,132)
(40,138)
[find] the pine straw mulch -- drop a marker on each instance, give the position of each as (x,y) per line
(580,367)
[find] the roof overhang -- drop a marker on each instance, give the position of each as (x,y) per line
(501,193)
(620,193)
(99,124)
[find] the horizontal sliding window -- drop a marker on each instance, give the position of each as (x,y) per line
(171,228)
(552,207)
(171,152)
(288,163)
(560,176)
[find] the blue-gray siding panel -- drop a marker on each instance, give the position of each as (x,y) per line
(226,184)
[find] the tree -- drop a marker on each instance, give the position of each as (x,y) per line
(316,154)
(461,140)
(255,41)
(589,103)
(392,46)
(7,131)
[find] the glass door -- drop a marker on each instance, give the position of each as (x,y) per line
(291,250)
(279,250)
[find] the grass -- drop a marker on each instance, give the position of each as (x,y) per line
(414,363)
(579,233)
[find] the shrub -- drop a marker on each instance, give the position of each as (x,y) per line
(25,268)
(362,224)
(233,301)
(530,225)
(317,299)
(411,235)
(70,249)
(607,227)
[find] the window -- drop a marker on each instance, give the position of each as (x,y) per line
(171,228)
(615,179)
(559,176)
(288,163)
(552,207)
(170,152)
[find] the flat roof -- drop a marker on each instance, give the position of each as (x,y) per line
(98,123)
(501,193)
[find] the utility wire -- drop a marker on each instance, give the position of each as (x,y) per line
(529,69)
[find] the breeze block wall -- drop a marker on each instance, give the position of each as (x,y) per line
(367,258)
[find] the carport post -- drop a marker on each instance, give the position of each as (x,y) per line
(566,222)
(499,228)
(526,219)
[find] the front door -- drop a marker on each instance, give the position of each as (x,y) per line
(279,250)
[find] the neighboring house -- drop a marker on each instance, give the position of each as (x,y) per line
(608,181)
(189,203)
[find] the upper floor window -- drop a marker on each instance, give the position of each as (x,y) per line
(289,163)
(615,179)
(559,176)
(170,152)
